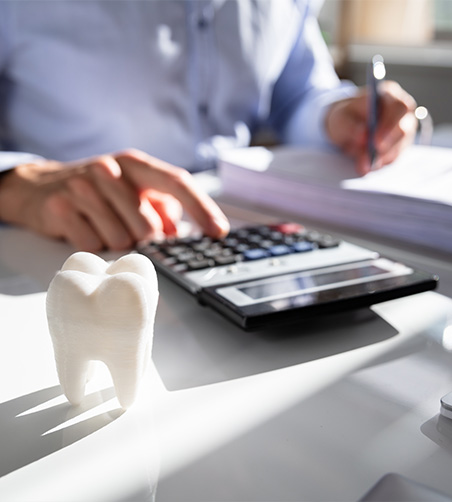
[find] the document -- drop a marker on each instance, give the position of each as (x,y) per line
(410,199)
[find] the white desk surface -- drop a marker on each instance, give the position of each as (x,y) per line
(317,412)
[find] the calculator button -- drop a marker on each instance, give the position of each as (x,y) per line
(267,244)
(175,250)
(241,248)
(169,261)
(213,251)
(313,235)
(255,254)
(241,233)
(226,259)
(263,230)
(199,264)
(288,240)
(179,268)
(254,239)
(276,236)
(303,246)
(327,241)
(187,256)
(230,242)
(201,246)
(280,250)
(288,228)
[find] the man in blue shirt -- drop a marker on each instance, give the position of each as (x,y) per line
(136,88)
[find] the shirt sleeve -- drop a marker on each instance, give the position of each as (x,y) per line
(9,160)
(4,26)
(307,86)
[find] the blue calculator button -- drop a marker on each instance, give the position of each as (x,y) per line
(280,250)
(255,254)
(302,247)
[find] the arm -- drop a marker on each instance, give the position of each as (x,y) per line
(109,201)
(306,88)
(312,107)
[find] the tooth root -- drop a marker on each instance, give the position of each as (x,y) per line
(73,374)
(126,379)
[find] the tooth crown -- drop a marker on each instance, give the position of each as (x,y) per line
(102,312)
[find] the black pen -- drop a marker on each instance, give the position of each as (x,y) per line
(376,72)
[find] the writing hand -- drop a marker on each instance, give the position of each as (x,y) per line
(346,125)
(110,201)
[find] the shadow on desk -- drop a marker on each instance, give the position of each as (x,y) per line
(31,431)
(194,345)
(439,430)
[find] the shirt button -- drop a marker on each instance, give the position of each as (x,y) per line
(203,108)
(203,23)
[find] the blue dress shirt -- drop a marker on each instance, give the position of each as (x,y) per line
(177,79)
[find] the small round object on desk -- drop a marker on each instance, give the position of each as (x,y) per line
(446,406)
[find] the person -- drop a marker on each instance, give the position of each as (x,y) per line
(105,108)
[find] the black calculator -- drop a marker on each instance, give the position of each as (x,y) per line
(267,275)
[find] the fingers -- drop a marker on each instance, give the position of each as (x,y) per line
(141,222)
(37,196)
(90,206)
(149,195)
(346,125)
(363,163)
(108,225)
(168,208)
(146,172)
(116,211)
(112,195)
(64,221)
(397,123)
(396,104)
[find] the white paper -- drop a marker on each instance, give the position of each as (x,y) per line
(410,199)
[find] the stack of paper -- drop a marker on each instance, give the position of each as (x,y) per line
(410,199)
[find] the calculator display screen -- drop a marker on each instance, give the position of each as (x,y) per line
(307,285)
(305,281)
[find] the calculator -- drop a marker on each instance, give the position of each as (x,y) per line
(267,275)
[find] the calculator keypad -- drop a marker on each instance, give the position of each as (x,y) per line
(245,244)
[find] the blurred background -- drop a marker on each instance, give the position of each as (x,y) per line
(413,36)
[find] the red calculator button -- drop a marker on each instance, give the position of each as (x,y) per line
(288,228)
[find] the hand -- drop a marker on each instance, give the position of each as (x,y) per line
(346,124)
(111,201)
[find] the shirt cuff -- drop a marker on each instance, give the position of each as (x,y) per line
(8,160)
(307,125)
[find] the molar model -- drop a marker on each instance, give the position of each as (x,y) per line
(103,312)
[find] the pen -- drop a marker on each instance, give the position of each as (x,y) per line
(376,72)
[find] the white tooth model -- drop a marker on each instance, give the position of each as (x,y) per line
(103,312)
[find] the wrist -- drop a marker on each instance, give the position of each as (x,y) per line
(13,192)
